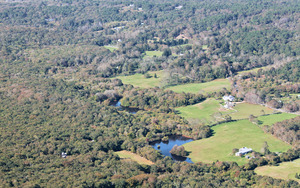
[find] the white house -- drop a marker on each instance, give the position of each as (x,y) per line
(228,101)
(243,151)
(228,98)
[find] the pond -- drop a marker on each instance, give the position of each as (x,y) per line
(127,109)
(165,147)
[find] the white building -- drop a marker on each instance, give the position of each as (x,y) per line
(228,98)
(243,151)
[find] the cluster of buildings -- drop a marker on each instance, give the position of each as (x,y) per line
(228,101)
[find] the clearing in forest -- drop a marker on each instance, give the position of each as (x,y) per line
(154,53)
(205,111)
(140,80)
(286,170)
(255,70)
(206,87)
(129,155)
(211,111)
(228,136)
(111,48)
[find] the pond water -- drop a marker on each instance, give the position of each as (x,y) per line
(165,147)
(127,109)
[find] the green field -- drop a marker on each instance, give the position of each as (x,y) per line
(154,53)
(111,48)
(210,111)
(271,119)
(251,70)
(139,80)
(128,155)
(220,145)
(244,110)
(204,47)
(202,111)
(207,87)
(286,170)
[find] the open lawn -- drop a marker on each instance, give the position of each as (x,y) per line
(244,110)
(154,53)
(274,118)
(202,111)
(207,87)
(128,155)
(210,111)
(111,48)
(286,170)
(229,136)
(139,80)
(204,47)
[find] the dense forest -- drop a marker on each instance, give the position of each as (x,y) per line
(58,65)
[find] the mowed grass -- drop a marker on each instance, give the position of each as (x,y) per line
(231,135)
(139,80)
(111,48)
(274,118)
(128,155)
(244,110)
(286,170)
(207,87)
(154,53)
(202,111)
(208,111)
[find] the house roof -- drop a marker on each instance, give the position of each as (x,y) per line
(228,98)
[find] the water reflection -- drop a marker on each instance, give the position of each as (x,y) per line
(165,147)
(127,109)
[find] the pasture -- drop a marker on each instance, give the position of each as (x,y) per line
(244,110)
(220,145)
(286,170)
(139,80)
(206,87)
(211,111)
(274,118)
(202,111)
(128,155)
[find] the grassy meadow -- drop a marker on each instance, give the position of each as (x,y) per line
(271,119)
(207,87)
(202,111)
(244,110)
(154,53)
(286,170)
(128,155)
(210,111)
(220,145)
(139,80)
(255,70)
(111,48)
